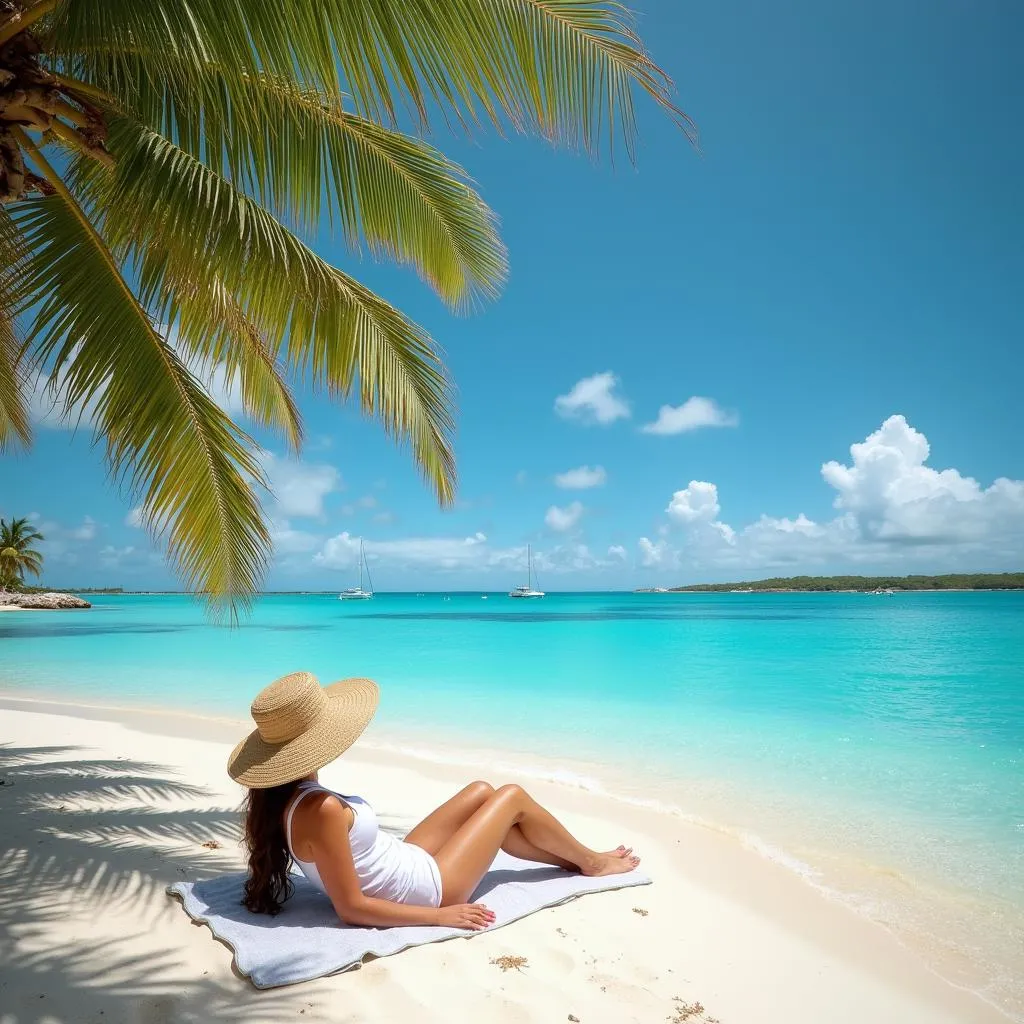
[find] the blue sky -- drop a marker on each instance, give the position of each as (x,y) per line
(844,250)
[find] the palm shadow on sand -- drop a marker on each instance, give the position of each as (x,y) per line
(60,864)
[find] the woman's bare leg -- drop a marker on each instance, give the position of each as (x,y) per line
(439,826)
(467,855)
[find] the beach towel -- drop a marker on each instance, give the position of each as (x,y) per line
(306,940)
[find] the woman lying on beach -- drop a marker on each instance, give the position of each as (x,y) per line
(372,877)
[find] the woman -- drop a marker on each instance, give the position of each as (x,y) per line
(371,877)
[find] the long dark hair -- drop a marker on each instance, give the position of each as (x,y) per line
(268,884)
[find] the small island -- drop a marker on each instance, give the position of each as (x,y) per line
(19,558)
(855,584)
(47,600)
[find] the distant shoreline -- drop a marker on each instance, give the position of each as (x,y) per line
(885,585)
(828,590)
(695,589)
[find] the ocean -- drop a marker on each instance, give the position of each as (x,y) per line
(872,743)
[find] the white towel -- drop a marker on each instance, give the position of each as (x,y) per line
(306,940)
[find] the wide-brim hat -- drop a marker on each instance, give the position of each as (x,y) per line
(300,727)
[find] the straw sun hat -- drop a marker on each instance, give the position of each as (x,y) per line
(300,727)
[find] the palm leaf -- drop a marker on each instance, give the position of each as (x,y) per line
(301,155)
(169,215)
(178,449)
(15,429)
(213,330)
(567,68)
(32,562)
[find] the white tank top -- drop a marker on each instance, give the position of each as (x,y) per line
(386,867)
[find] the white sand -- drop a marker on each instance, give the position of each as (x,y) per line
(101,810)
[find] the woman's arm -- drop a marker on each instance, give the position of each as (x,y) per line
(332,852)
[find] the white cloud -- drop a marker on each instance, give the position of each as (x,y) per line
(87,530)
(299,488)
(128,558)
(474,553)
(651,552)
(111,556)
(568,558)
(592,400)
(894,497)
(697,502)
(894,513)
(449,553)
(581,478)
(134,518)
(289,541)
(338,552)
(693,414)
(562,519)
(366,501)
(60,541)
(574,556)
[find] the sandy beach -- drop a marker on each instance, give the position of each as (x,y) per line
(102,809)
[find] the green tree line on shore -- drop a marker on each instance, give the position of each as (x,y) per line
(948,581)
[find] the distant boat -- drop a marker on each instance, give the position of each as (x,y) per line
(883,590)
(357,593)
(526,590)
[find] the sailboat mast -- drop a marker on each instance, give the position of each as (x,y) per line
(529,566)
(361,557)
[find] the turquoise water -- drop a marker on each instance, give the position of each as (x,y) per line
(875,743)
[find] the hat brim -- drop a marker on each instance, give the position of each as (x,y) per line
(350,705)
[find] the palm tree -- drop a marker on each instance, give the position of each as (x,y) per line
(17,556)
(161,162)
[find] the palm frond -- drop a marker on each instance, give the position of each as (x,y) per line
(177,448)
(164,208)
(301,155)
(213,328)
(22,532)
(406,198)
(32,562)
(568,68)
(18,533)
(15,429)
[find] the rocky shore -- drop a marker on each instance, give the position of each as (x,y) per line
(44,602)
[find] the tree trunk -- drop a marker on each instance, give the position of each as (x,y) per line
(32,98)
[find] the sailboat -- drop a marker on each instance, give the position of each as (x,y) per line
(526,590)
(357,593)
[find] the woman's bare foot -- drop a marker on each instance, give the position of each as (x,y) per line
(614,863)
(619,851)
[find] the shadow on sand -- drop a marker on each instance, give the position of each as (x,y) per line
(124,842)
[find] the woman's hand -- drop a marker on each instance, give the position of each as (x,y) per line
(474,916)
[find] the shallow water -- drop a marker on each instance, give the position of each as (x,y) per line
(874,743)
